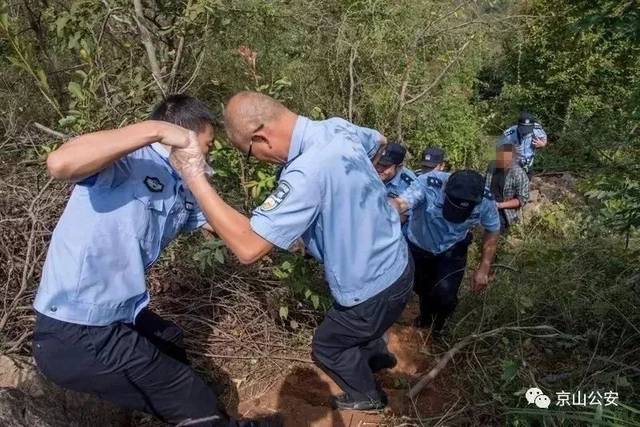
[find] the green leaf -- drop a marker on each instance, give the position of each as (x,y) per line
(4,20)
(219,256)
(60,24)
(509,370)
(67,121)
(76,90)
(42,78)
(284,312)
(315,300)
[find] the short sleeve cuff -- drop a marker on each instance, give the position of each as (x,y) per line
(261,226)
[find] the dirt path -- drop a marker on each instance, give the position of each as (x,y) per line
(302,395)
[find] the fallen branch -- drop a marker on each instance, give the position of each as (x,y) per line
(50,131)
(427,378)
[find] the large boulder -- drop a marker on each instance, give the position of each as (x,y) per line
(28,400)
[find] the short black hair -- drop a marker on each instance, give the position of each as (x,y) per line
(184,110)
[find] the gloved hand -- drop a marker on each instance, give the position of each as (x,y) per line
(189,161)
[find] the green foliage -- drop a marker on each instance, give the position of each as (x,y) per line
(297,273)
(577,68)
(211,253)
(619,199)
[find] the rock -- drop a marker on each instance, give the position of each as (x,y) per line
(534,196)
(23,376)
(27,399)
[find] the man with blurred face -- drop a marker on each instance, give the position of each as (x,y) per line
(330,195)
(509,186)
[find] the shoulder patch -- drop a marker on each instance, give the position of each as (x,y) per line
(537,126)
(487,194)
(153,184)
(433,181)
(509,131)
(277,197)
(406,178)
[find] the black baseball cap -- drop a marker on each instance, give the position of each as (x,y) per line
(393,154)
(462,192)
(432,157)
(525,123)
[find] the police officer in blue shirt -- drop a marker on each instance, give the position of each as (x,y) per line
(94,332)
(433,159)
(527,136)
(330,195)
(392,171)
(445,208)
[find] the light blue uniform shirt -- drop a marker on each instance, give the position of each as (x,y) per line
(400,182)
(330,195)
(427,227)
(113,228)
(397,185)
(525,151)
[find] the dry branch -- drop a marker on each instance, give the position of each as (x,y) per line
(352,58)
(428,377)
(50,131)
(444,71)
(145,36)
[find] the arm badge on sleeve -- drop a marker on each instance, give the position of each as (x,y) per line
(277,197)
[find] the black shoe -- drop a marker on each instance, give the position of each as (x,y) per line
(382,361)
(344,402)
(267,421)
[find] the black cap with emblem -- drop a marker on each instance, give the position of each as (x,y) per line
(462,192)
(525,124)
(432,157)
(393,154)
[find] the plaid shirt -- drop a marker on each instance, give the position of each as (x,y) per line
(516,185)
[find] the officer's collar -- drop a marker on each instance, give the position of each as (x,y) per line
(297,138)
(160,149)
(397,177)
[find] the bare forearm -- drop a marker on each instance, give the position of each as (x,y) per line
(88,154)
(509,204)
(489,245)
(233,227)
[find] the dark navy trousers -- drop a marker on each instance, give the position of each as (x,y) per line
(438,278)
(142,366)
(349,337)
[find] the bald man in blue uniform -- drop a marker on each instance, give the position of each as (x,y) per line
(329,195)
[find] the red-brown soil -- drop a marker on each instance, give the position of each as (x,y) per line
(302,395)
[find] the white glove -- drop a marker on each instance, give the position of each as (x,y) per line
(189,161)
